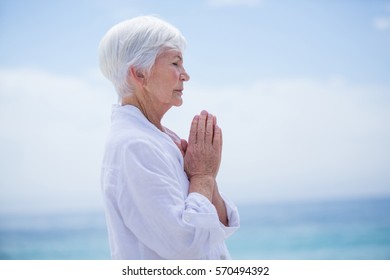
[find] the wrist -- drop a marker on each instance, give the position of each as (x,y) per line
(203,184)
(206,177)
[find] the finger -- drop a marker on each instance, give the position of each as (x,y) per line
(221,137)
(200,135)
(193,130)
(217,140)
(184,145)
(209,129)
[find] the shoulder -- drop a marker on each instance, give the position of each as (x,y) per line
(133,141)
(130,141)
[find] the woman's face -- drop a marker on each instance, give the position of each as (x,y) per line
(165,81)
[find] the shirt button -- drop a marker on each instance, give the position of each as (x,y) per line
(223,257)
(187,218)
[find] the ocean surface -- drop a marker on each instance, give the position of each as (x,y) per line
(328,230)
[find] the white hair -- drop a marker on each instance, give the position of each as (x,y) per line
(135,43)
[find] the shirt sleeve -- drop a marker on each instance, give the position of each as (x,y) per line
(233,216)
(157,210)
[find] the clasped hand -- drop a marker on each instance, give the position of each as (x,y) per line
(202,153)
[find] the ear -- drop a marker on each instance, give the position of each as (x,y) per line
(137,76)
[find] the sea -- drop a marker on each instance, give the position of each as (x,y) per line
(343,229)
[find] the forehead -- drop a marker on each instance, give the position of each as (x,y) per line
(170,54)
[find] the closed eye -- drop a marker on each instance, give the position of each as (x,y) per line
(177,61)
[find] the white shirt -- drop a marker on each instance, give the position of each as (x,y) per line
(149,213)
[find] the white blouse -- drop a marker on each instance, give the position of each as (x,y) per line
(149,213)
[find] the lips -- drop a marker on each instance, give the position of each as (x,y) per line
(179,90)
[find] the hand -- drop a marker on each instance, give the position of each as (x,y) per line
(204,150)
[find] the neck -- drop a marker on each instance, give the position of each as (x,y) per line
(149,109)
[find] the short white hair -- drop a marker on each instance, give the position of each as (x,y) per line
(135,43)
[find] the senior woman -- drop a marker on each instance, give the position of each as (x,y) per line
(160,192)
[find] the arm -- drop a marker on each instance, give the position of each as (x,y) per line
(219,204)
(154,209)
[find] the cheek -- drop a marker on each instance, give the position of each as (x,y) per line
(171,80)
(175,75)
(165,83)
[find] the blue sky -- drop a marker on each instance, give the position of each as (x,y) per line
(301,90)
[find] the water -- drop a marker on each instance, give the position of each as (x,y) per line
(354,229)
(61,237)
(330,230)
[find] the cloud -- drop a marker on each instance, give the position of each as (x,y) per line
(298,138)
(52,136)
(234,3)
(382,23)
(283,139)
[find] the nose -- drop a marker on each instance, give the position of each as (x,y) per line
(184,76)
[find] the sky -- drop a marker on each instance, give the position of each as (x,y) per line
(301,90)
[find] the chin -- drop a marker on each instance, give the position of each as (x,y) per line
(178,102)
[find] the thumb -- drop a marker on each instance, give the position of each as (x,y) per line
(184,145)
